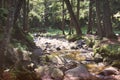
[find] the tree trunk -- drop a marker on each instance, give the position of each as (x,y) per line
(107,20)
(90,20)
(10,22)
(25,15)
(71,21)
(6,54)
(46,13)
(99,26)
(63,17)
(17,10)
(78,9)
(72,15)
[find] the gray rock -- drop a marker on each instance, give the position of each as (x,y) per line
(35,56)
(109,71)
(38,52)
(78,73)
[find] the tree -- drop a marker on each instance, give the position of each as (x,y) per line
(71,25)
(25,15)
(7,55)
(5,51)
(63,17)
(98,16)
(107,20)
(90,20)
(72,15)
(46,13)
(78,9)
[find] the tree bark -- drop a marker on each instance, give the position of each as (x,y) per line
(5,51)
(72,15)
(63,17)
(98,16)
(46,13)
(71,21)
(107,20)
(10,22)
(25,15)
(78,9)
(90,20)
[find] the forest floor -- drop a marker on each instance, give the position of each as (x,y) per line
(64,60)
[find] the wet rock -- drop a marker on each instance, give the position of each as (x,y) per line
(78,73)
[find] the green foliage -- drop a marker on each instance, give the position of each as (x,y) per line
(3,13)
(84,9)
(41,10)
(73,37)
(20,46)
(90,40)
(108,50)
(30,37)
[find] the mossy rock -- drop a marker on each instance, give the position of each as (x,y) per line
(108,50)
(73,38)
(90,41)
(56,73)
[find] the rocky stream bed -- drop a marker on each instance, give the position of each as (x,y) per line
(59,59)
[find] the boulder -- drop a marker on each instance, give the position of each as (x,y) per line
(78,73)
(57,74)
(38,52)
(35,56)
(109,71)
(49,73)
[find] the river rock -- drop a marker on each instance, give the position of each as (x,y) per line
(57,74)
(78,73)
(109,71)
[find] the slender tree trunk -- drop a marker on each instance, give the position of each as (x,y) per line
(46,13)
(71,21)
(1,3)
(63,17)
(25,15)
(90,20)
(107,20)
(99,26)
(75,21)
(17,10)
(78,9)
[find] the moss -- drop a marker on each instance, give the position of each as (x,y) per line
(90,41)
(108,50)
(73,38)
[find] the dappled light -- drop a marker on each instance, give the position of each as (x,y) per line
(59,40)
